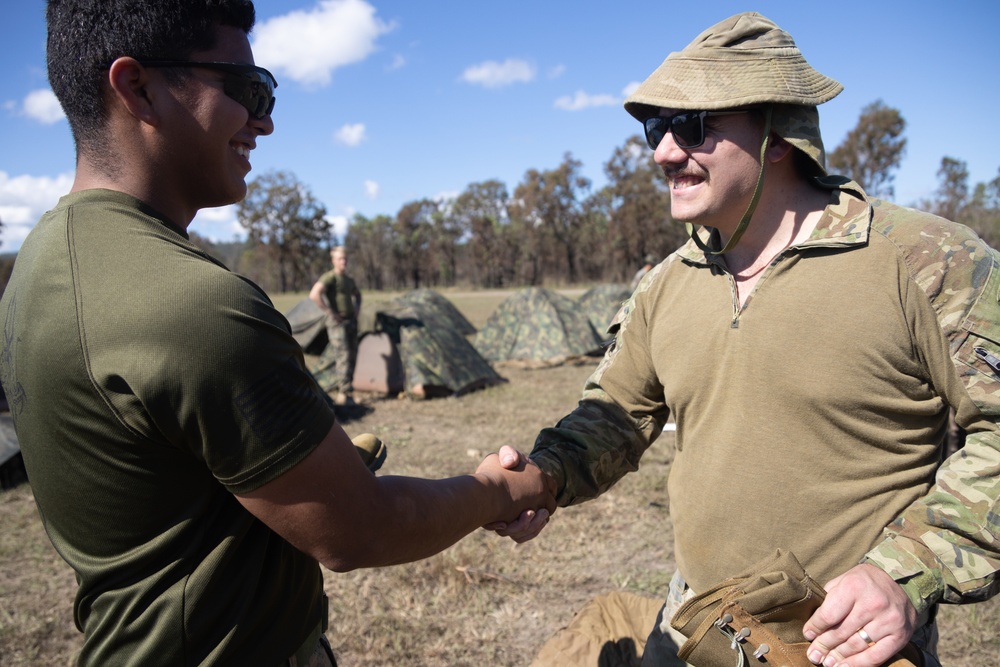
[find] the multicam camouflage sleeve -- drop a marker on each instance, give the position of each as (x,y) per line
(946,546)
(600,441)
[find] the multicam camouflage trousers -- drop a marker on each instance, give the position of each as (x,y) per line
(335,370)
(664,642)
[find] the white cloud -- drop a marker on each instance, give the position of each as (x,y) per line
(582,100)
(371,190)
(398,62)
(308,45)
(43,106)
(219,225)
(339,223)
(23,200)
(492,74)
(630,88)
(350,135)
(557,71)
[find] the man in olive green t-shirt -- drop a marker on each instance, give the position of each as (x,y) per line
(336,293)
(185,463)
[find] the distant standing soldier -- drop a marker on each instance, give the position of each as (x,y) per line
(337,294)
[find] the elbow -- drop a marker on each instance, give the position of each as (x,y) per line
(340,565)
(347,558)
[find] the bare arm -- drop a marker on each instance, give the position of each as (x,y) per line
(316,296)
(332,508)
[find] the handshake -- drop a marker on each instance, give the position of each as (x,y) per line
(532,494)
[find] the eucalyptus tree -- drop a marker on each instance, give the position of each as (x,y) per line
(638,207)
(553,202)
(369,245)
(872,151)
(287,227)
(480,213)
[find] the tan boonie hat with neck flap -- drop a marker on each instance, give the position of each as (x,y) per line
(742,61)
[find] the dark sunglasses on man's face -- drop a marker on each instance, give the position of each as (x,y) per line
(251,86)
(688,127)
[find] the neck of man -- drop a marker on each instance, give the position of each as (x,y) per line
(787,214)
(134,178)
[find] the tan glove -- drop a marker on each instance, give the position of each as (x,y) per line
(371,449)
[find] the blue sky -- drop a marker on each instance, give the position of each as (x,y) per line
(381,102)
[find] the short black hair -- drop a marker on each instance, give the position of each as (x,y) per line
(86,36)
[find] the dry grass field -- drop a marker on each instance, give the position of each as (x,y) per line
(485,601)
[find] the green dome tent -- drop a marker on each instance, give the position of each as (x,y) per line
(537,326)
(602,302)
(415,343)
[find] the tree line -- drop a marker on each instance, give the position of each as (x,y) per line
(554,228)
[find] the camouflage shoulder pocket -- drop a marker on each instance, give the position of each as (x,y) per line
(978,356)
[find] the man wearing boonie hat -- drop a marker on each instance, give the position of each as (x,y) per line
(808,343)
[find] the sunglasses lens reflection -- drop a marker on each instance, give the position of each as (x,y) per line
(656,128)
(686,127)
(253,91)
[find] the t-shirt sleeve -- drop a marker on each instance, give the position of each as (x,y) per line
(233,387)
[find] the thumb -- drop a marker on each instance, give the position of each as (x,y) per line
(510,458)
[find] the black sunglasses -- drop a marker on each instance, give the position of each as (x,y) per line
(251,86)
(688,127)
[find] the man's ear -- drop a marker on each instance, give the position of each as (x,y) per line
(778,149)
(131,88)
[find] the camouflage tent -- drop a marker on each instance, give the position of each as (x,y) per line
(443,309)
(308,324)
(601,304)
(412,344)
(539,327)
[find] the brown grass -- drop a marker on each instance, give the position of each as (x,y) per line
(485,601)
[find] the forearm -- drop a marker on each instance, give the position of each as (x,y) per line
(316,296)
(332,508)
(946,546)
(593,447)
(415,519)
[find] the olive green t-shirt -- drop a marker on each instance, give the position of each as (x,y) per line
(148,384)
(341,291)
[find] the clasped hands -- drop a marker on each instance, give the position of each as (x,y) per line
(532,490)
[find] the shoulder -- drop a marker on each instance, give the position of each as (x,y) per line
(937,252)
(949,263)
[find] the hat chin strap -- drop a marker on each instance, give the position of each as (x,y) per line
(745,220)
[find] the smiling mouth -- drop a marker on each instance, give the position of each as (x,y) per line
(683,182)
(242,151)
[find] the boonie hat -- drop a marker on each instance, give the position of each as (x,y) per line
(744,60)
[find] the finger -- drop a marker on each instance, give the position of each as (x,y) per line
(520,524)
(510,458)
(830,615)
(854,645)
(526,527)
(861,653)
(534,527)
